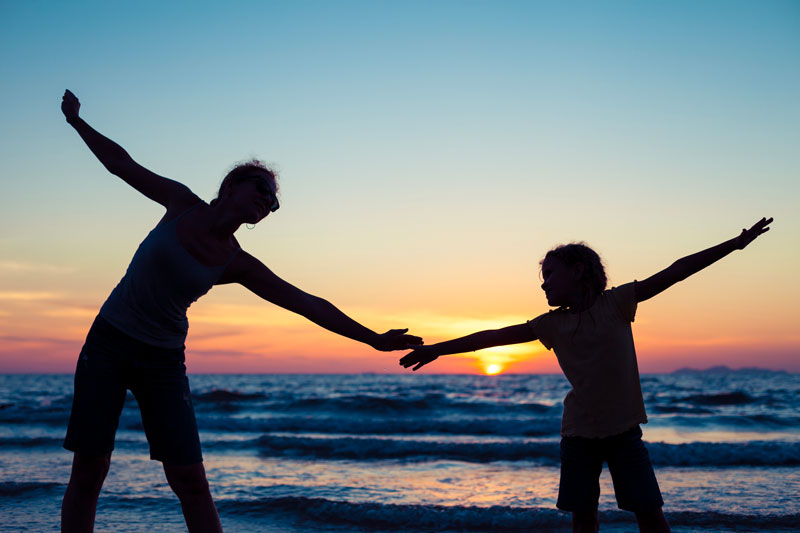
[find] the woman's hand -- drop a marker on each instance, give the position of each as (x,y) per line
(395,339)
(749,235)
(70,106)
(420,356)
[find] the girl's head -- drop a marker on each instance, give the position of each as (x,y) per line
(250,183)
(570,273)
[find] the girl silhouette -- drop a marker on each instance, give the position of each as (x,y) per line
(590,333)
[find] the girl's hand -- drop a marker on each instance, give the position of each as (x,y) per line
(749,235)
(420,356)
(70,105)
(395,339)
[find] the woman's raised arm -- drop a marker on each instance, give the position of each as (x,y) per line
(165,191)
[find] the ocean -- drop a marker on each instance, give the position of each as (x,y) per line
(416,452)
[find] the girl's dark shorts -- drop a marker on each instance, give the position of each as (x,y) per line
(635,485)
(110,364)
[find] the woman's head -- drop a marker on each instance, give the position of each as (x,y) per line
(571,271)
(262,178)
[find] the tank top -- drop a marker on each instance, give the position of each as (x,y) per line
(162,281)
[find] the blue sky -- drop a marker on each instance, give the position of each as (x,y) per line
(430,152)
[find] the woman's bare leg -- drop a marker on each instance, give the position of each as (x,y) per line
(585,522)
(190,485)
(80,500)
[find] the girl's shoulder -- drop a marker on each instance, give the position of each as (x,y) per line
(622,299)
(548,318)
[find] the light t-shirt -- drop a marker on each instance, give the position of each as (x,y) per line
(595,350)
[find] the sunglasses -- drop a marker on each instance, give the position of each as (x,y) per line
(264,189)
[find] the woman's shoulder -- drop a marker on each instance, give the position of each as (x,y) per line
(244,268)
(180,206)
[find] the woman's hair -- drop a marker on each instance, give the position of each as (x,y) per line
(244,170)
(594,274)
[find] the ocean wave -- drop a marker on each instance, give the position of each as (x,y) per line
(10,489)
(735,521)
(381,449)
(222,419)
(371,403)
(722,398)
(398,517)
(30,442)
(522,426)
(678,409)
(230,417)
(693,454)
(226,396)
(696,454)
(420,517)
(752,422)
(754,453)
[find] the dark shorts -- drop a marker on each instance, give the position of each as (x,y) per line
(635,485)
(110,364)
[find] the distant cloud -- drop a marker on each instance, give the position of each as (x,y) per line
(36,340)
(71,312)
(215,335)
(223,353)
(21,266)
(28,296)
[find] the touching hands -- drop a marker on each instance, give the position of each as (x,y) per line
(396,339)
(749,235)
(70,105)
(420,356)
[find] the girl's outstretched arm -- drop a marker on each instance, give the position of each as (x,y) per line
(165,191)
(255,276)
(476,341)
(691,264)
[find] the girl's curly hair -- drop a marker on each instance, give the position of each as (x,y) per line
(594,273)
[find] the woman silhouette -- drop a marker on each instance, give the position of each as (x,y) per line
(136,342)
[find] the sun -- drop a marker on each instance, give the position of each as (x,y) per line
(493,369)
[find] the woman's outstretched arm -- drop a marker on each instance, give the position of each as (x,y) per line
(476,341)
(255,276)
(691,264)
(165,191)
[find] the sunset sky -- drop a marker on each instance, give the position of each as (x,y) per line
(429,154)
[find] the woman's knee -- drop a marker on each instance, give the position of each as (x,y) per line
(89,471)
(189,480)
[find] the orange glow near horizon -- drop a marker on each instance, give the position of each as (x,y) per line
(232,331)
(46,334)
